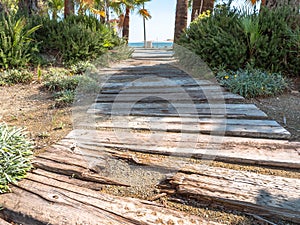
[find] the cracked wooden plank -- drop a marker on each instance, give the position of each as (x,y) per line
(277,153)
(265,195)
(56,202)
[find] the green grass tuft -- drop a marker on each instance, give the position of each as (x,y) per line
(251,83)
(15,156)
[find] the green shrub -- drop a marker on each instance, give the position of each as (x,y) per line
(75,38)
(14,76)
(64,84)
(15,156)
(62,80)
(218,39)
(252,83)
(81,67)
(278,49)
(59,82)
(64,98)
(16,44)
(269,40)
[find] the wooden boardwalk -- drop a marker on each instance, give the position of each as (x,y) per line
(153,124)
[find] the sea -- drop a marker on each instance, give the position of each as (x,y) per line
(155,44)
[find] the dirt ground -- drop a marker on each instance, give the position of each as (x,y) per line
(29,107)
(285,109)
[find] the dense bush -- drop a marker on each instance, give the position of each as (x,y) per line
(218,39)
(61,80)
(16,44)
(15,76)
(231,39)
(252,82)
(15,155)
(64,98)
(63,84)
(75,38)
(278,46)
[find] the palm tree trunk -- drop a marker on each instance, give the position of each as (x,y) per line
(69,8)
(107,10)
(196,9)
(207,5)
(125,32)
(181,18)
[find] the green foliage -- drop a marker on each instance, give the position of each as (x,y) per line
(278,48)
(81,67)
(61,80)
(14,76)
(16,43)
(15,156)
(76,38)
(268,40)
(252,83)
(64,83)
(64,98)
(217,39)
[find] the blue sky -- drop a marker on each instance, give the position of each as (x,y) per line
(161,26)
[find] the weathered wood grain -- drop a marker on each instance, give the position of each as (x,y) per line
(228,149)
(187,105)
(229,127)
(265,195)
(166,89)
(61,159)
(166,97)
(54,202)
(127,109)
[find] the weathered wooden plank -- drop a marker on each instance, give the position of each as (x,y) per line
(69,179)
(264,195)
(186,105)
(168,110)
(167,89)
(56,202)
(261,157)
(217,129)
(246,128)
(169,138)
(158,109)
(190,120)
(201,113)
(158,83)
(228,149)
(59,159)
(168,97)
(146,72)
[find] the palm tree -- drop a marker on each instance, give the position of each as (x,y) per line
(68,7)
(181,18)
(129,5)
(196,9)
